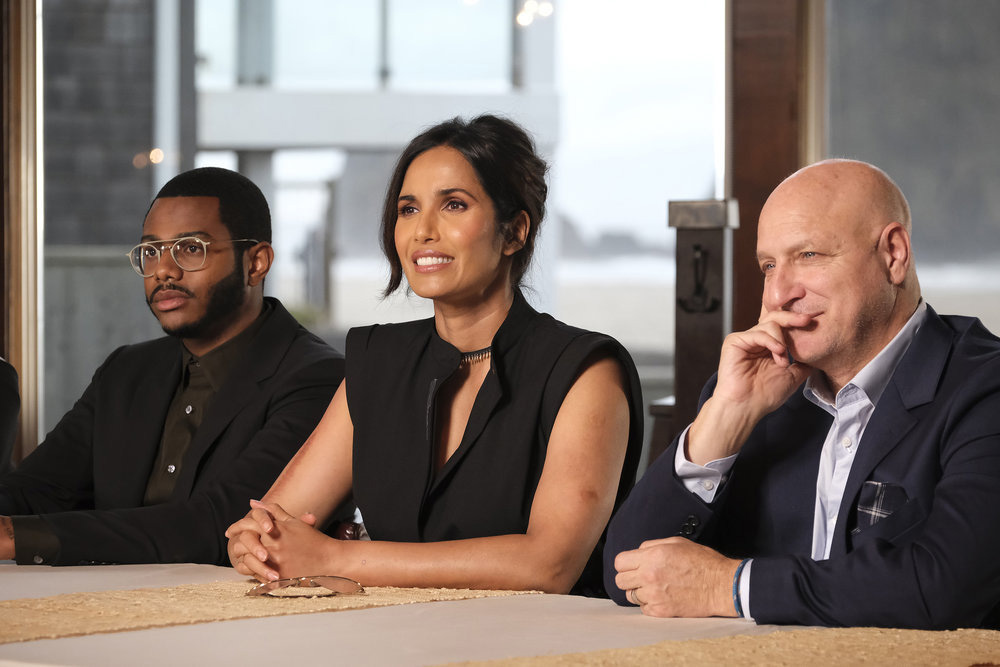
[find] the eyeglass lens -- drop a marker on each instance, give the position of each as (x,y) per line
(188,253)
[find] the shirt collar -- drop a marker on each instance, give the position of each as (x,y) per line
(217,363)
(873,378)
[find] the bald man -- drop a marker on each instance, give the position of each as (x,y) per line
(844,466)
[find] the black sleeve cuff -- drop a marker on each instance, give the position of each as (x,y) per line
(34,541)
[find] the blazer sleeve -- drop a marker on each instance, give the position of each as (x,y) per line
(191,529)
(56,476)
(658,506)
(10,407)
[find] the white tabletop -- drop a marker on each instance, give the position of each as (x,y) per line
(414,634)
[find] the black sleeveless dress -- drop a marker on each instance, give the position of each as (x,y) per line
(486,488)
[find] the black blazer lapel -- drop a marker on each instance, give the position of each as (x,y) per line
(913,384)
(240,389)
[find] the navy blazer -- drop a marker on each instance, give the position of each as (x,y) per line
(89,475)
(918,534)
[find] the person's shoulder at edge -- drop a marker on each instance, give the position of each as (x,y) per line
(971,332)
(974,351)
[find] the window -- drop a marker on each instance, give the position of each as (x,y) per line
(314,100)
(926,114)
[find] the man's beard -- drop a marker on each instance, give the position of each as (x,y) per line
(224,300)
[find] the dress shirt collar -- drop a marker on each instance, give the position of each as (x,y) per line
(871,380)
(217,363)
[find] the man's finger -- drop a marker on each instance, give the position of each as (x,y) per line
(627,560)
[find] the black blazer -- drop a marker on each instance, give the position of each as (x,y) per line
(10,407)
(89,475)
(928,464)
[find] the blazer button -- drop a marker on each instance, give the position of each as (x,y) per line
(690,525)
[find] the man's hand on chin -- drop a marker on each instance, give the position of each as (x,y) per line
(6,538)
(677,577)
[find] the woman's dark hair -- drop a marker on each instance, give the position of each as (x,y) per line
(242,206)
(509,170)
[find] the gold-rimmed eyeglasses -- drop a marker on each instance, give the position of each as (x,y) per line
(188,252)
(331,585)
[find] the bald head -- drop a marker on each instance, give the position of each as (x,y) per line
(850,186)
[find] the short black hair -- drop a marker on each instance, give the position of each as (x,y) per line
(509,169)
(243,208)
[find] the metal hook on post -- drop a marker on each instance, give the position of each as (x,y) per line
(699,301)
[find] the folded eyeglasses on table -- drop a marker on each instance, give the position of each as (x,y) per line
(330,585)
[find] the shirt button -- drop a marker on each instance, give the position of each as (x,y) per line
(38,560)
(707,485)
(846,442)
(188,410)
(171,468)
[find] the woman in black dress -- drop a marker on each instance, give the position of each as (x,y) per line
(486,447)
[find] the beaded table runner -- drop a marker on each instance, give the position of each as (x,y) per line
(830,647)
(74,614)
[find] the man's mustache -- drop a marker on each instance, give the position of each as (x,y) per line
(168,286)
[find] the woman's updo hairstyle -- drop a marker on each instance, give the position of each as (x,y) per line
(509,170)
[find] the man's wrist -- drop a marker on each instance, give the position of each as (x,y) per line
(717,432)
(37,544)
(721,604)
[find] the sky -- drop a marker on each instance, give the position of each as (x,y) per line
(640,87)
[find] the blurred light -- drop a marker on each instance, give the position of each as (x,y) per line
(532,8)
(140,161)
(156,156)
(470,2)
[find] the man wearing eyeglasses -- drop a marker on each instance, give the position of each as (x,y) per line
(174,436)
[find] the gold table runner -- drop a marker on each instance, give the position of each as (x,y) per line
(829,647)
(74,614)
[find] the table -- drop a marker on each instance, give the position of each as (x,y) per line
(415,634)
